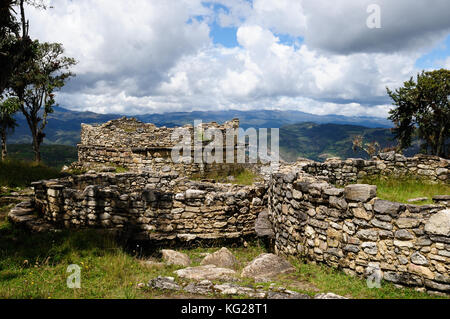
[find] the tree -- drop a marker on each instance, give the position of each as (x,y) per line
(16,46)
(7,122)
(371,148)
(35,85)
(423,109)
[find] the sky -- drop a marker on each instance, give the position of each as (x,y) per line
(315,56)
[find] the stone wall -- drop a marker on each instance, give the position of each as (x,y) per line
(135,145)
(343,172)
(150,205)
(353,230)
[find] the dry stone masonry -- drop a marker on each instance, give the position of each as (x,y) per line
(131,144)
(150,205)
(299,209)
(351,229)
(343,172)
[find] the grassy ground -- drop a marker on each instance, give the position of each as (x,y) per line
(34,266)
(238,177)
(402,189)
(16,173)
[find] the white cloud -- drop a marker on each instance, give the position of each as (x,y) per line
(155,56)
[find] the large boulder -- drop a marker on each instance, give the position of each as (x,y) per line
(267,266)
(360,192)
(172,257)
(439,223)
(222,258)
(206,272)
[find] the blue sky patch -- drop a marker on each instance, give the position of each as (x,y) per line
(434,58)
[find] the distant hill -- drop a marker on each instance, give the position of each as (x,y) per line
(52,155)
(301,134)
(320,141)
(64,125)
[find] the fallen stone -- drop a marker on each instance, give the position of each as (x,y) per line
(202,288)
(206,272)
(267,266)
(329,295)
(233,289)
(222,258)
(172,257)
(287,294)
(419,199)
(164,283)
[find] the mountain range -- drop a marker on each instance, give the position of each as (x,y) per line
(301,134)
(64,125)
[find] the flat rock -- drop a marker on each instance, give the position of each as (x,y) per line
(439,223)
(267,266)
(419,199)
(287,294)
(164,283)
(222,258)
(172,257)
(329,295)
(206,272)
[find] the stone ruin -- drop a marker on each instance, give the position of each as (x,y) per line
(131,144)
(299,210)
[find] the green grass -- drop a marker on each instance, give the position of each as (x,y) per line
(240,177)
(16,173)
(34,266)
(403,188)
(52,155)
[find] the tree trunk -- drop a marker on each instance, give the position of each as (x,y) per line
(4,149)
(36,148)
(440,142)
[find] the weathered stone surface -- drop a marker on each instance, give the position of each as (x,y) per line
(329,295)
(173,257)
(164,283)
(418,259)
(439,224)
(267,266)
(263,227)
(286,295)
(222,258)
(386,207)
(206,272)
(360,192)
